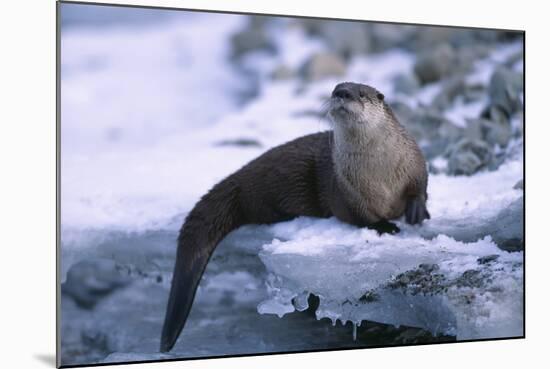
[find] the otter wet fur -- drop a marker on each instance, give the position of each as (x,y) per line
(366,171)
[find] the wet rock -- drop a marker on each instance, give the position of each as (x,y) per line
(513,59)
(505,88)
(403,112)
(369,296)
(471,278)
(344,38)
(427,37)
(253,38)
(82,343)
(487,36)
(470,53)
(496,133)
(450,132)
(323,65)
(95,340)
(387,36)
(425,280)
(430,128)
(450,90)
(433,65)
(469,156)
(406,84)
(90,281)
(513,245)
(493,132)
(507,230)
(455,88)
(519,185)
(495,113)
(423,123)
(464,163)
(413,335)
(474,93)
(487,259)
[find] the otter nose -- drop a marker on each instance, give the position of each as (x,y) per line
(342,92)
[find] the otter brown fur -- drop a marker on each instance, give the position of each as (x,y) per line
(368,170)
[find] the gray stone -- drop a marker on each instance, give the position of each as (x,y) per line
(450,132)
(467,55)
(464,163)
(424,123)
(406,84)
(387,36)
(430,128)
(456,87)
(513,59)
(469,156)
(487,36)
(323,65)
(402,111)
(473,129)
(89,281)
(428,37)
(519,185)
(496,133)
(252,38)
(474,93)
(505,88)
(450,90)
(487,259)
(344,38)
(433,65)
(507,230)
(493,132)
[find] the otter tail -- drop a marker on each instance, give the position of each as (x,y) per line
(214,216)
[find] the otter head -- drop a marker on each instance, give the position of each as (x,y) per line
(356,107)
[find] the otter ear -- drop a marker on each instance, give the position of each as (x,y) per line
(380,96)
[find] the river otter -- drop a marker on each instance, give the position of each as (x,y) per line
(368,170)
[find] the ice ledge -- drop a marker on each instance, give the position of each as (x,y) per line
(468,289)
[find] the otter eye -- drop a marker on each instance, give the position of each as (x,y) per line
(362,94)
(380,96)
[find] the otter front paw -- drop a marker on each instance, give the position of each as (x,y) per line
(384,226)
(416,212)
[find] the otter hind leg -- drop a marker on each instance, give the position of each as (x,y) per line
(416,211)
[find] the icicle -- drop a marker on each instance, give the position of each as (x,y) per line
(354,331)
